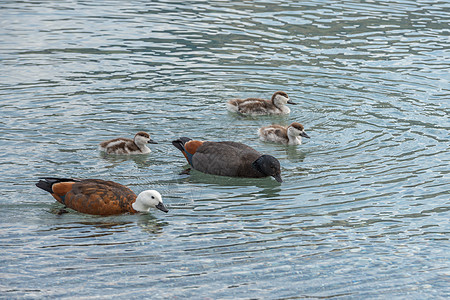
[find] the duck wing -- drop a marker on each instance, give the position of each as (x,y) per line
(254,105)
(119,146)
(226,159)
(100,197)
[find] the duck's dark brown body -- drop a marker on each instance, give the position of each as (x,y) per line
(226,159)
(90,196)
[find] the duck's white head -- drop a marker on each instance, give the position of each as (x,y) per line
(297,129)
(280,99)
(141,138)
(149,199)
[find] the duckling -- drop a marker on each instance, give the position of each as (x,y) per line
(256,106)
(128,146)
(288,135)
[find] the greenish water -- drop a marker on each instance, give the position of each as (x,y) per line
(363,209)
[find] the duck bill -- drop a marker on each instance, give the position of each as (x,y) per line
(150,141)
(278,178)
(161,207)
(290,102)
(304,134)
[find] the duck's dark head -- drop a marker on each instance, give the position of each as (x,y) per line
(269,166)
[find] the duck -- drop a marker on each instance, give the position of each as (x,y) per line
(100,197)
(256,106)
(228,159)
(288,135)
(137,145)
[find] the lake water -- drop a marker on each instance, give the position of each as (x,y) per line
(363,211)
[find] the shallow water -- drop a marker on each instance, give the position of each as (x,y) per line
(363,209)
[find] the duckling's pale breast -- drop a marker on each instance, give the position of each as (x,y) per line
(295,141)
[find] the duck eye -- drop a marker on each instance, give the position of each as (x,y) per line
(153,197)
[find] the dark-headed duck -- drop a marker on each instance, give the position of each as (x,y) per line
(228,159)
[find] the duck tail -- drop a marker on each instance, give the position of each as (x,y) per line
(179,143)
(46,183)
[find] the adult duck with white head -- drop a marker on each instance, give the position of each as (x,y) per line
(100,197)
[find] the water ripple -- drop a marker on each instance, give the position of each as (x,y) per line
(363,209)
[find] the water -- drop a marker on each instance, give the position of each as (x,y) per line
(363,209)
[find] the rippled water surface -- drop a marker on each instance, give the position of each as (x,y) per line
(363,209)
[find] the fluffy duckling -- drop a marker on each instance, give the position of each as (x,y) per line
(256,106)
(288,135)
(128,146)
(100,197)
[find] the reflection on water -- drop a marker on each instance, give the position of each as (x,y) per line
(199,177)
(151,224)
(295,154)
(363,208)
(141,161)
